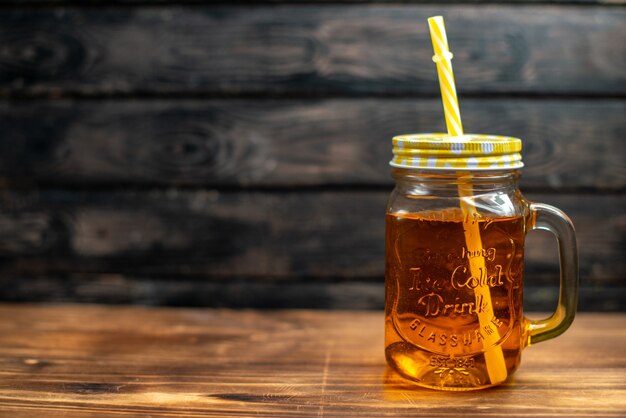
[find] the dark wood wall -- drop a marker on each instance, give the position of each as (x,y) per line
(235,153)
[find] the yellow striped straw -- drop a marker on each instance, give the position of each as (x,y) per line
(443,59)
(494,357)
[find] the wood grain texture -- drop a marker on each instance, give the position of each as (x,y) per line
(310,235)
(300,50)
(568,144)
(78,361)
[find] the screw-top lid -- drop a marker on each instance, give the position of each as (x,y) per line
(438,151)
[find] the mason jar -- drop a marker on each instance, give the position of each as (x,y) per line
(456,223)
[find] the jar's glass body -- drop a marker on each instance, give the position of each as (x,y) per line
(453,277)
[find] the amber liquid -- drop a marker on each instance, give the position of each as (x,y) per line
(447,323)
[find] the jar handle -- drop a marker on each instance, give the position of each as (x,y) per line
(551,219)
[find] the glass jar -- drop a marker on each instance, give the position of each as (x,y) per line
(455,229)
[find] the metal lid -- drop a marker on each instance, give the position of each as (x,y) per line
(439,151)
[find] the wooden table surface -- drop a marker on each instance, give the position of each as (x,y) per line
(82,360)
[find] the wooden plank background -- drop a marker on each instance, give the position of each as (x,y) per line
(320,50)
(209,154)
(255,142)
